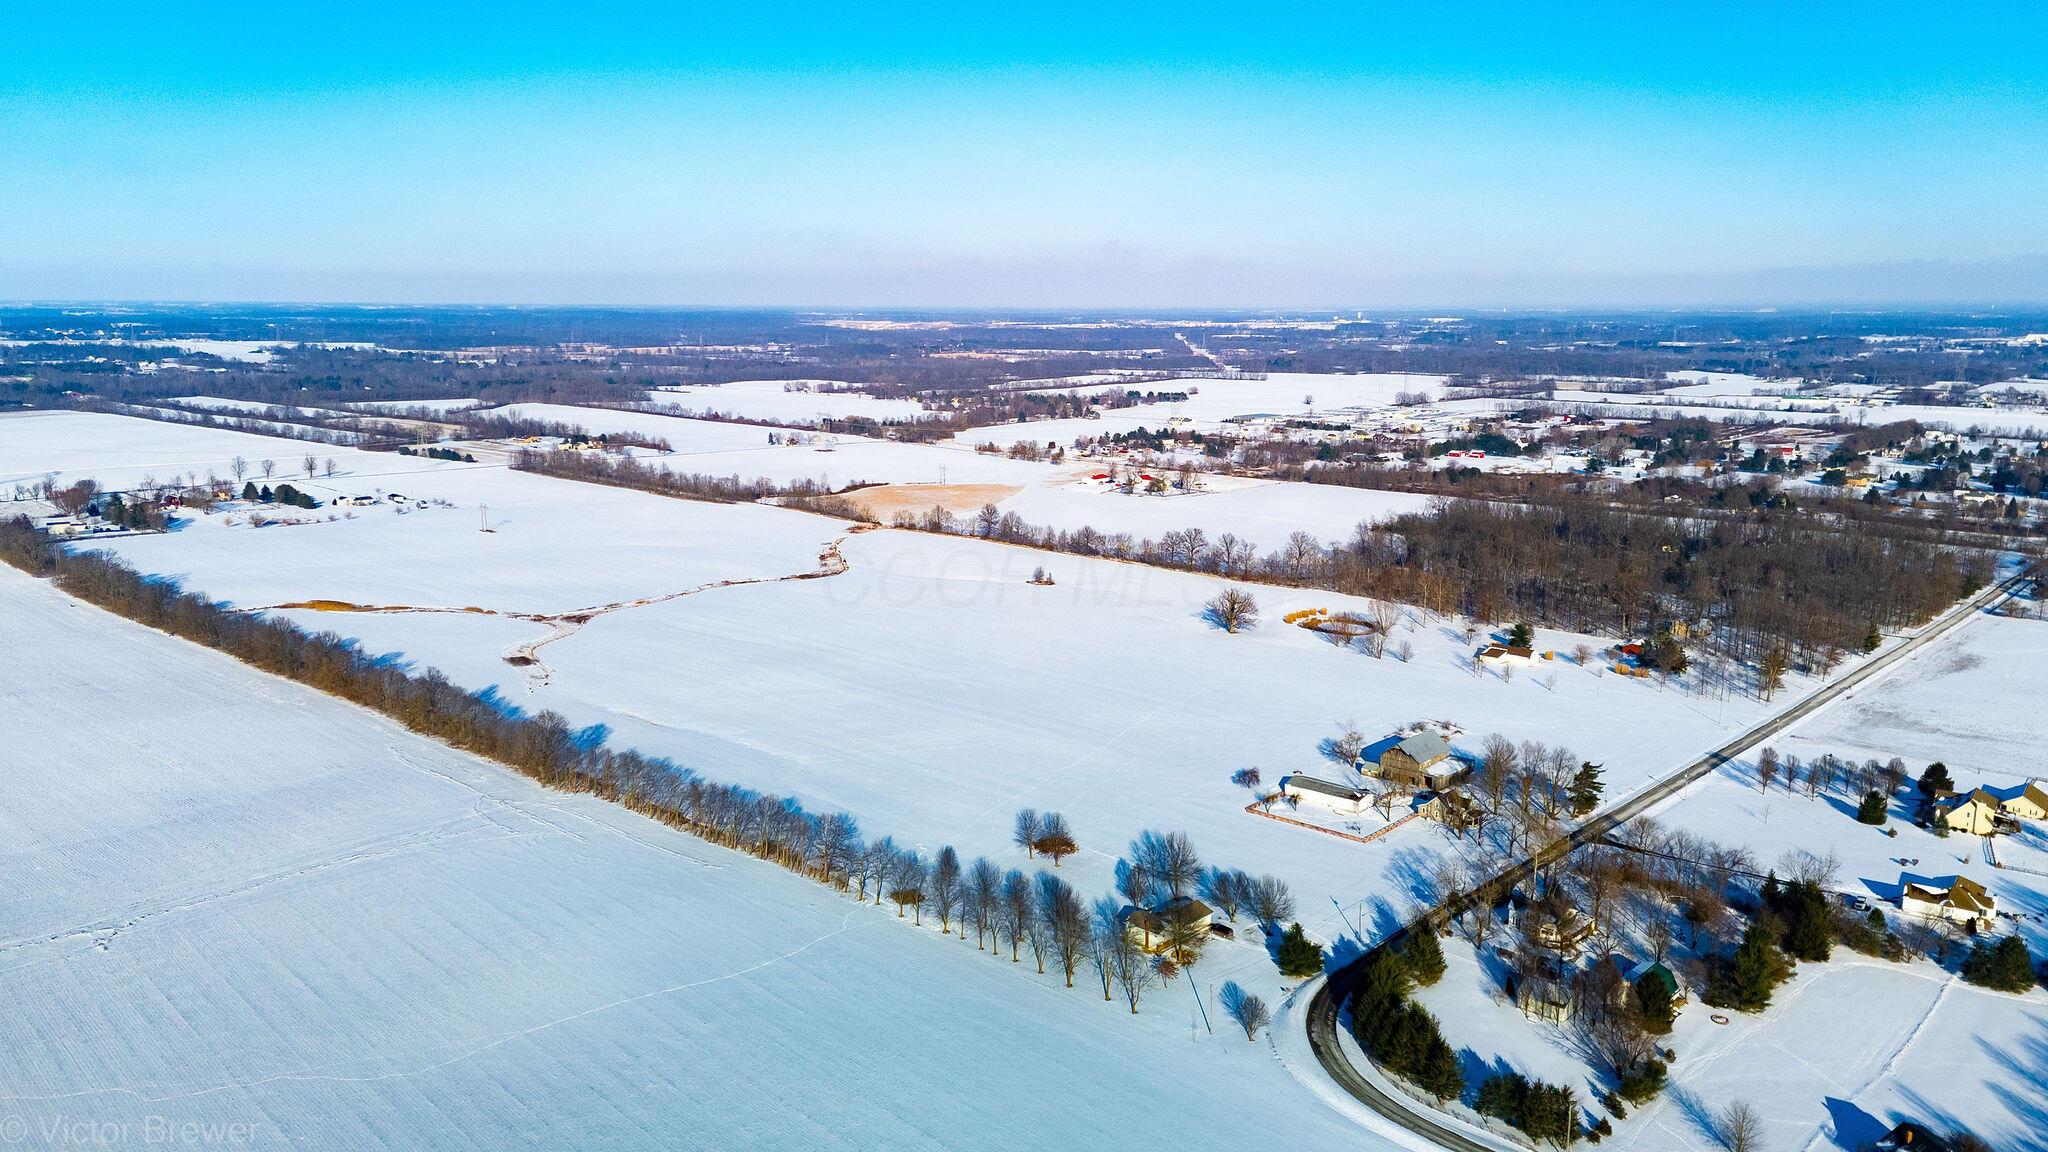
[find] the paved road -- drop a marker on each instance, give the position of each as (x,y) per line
(1434,1126)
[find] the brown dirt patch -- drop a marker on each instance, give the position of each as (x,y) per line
(884,501)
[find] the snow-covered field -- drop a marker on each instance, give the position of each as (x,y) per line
(121,451)
(243,914)
(250,407)
(929,690)
(1215,401)
(1062,496)
(929,687)
(771,400)
(722,449)
(453,404)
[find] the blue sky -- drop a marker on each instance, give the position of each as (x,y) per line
(1029,154)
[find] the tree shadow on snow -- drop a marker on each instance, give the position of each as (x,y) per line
(591,738)
(1852,1127)
(490,696)
(1697,1111)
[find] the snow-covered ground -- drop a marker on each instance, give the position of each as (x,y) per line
(1062,496)
(121,451)
(930,690)
(453,404)
(773,400)
(1696,383)
(244,914)
(1216,401)
(251,407)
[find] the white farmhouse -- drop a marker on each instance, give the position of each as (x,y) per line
(1958,899)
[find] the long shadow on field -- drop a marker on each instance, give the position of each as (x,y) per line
(1852,1127)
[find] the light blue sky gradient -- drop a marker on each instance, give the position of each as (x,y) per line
(1028,154)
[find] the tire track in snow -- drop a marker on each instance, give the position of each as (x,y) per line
(562,625)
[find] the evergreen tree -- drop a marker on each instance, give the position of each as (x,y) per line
(1655,997)
(1504,1096)
(1872,639)
(1640,1085)
(1744,982)
(2004,966)
(1423,956)
(1299,956)
(1383,981)
(1440,1074)
(1809,931)
(1521,636)
(249,491)
(1872,810)
(1936,780)
(1586,789)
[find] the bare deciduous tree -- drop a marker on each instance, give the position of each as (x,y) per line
(1271,902)
(1130,969)
(1066,922)
(837,844)
(1233,610)
(942,886)
(1014,913)
(983,902)
(1248,1010)
(1028,829)
(1741,1127)
(907,885)
(1169,860)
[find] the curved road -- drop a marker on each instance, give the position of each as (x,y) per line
(1437,1127)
